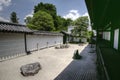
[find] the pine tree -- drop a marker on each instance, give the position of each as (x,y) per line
(13,17)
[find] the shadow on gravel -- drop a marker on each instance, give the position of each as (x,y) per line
(82,69)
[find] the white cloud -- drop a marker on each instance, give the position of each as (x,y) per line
(3,19)
(29,15)
(85,14)
(73,14)
(4,3)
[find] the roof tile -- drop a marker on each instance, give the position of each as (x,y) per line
(11,27)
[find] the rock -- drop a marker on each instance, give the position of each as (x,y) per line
(77,55)
(57,47)
(28,53)
(30,69)
(62,46)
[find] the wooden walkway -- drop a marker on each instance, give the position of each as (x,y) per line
(83,69)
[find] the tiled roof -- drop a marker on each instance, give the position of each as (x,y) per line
(64,32)
(47,33)
(12,27)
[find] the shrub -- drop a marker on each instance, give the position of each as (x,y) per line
(76,55)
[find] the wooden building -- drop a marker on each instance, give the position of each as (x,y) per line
(105,19)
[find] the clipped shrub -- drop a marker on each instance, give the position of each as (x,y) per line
(77,55)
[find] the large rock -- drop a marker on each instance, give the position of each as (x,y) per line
(30,69)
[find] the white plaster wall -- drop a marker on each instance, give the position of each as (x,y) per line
(116,37)
(106,36)
(11,44)
(84,40)
(70,28)
(76,39)
(31,42)
(35,42)
(42,41)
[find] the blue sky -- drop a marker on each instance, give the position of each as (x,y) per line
(65,8)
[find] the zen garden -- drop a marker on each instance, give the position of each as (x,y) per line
(46,45)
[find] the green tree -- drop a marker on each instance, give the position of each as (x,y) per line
(42,21)
(47,7)
(69,22)
(28,20)
(62,24)
(13,17)
(50,9)
(81,24)
(59,22)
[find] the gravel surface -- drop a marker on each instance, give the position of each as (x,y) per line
(53,62)
(83,69)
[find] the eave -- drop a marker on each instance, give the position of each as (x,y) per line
(103,13)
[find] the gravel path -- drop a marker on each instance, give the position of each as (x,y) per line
(53,62)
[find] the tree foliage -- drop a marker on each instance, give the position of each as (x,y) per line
(69,21)
(57,22)
(28,20)
(81,24)
(49,8)
(61,23)
(13,17)
(42,21)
